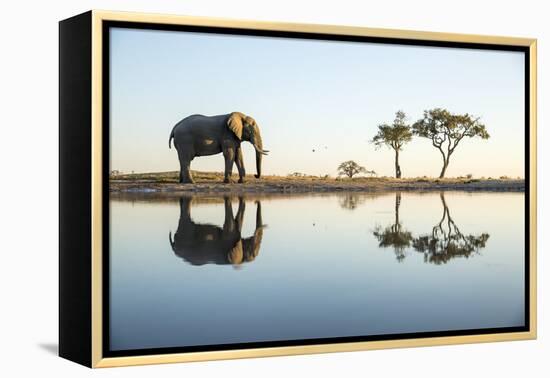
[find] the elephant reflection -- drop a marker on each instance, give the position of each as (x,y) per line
(394,235)
(201,244)
(446,242)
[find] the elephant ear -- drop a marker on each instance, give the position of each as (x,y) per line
(235,255)
(235,124)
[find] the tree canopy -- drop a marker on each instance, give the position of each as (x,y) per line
(394,235)
(350,168)
(351,201)
(446,242)
(447,130)
(394,136)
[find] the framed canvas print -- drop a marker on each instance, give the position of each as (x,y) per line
(236,189)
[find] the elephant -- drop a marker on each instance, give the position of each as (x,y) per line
(199,135)
(201,244)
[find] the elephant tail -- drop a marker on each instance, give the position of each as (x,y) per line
(171,137)
(170,239)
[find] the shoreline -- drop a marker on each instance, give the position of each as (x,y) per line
(282,185)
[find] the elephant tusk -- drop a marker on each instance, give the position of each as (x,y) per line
(263,152)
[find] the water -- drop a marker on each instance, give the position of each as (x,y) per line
(313,266)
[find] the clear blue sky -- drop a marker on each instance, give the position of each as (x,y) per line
(307,95)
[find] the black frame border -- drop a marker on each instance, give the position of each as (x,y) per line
(106,25)
(75,184)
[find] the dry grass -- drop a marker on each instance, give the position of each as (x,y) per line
(213,182)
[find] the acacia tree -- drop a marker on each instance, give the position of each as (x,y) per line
(395,235)
(446,242)
(446,130)
(394,136)
(351,201)
(350,168)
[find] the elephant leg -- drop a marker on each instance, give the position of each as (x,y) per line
(229,221)
(185,166)
(185,174)
(240,164)
(185,208)
(240,214)
(229,156)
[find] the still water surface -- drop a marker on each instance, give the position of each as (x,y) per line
(214,270)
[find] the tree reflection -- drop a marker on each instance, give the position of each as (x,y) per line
(351,201)
(200,244)
(446,242)
(394,236)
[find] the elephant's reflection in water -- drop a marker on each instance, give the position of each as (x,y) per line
(444,243)
(201,244)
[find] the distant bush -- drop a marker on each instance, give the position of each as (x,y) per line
(350,168)
(469,176)
(296,174)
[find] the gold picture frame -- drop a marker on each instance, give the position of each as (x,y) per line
(91,26)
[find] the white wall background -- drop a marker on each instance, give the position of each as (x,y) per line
(28,200)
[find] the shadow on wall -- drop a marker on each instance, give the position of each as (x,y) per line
(51,348)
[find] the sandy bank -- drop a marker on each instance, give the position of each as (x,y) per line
(315,185)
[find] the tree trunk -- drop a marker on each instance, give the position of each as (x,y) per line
(397,204)
(397,167)
(445,165)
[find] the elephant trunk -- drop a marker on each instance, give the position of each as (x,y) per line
(258,164)
(258,146)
